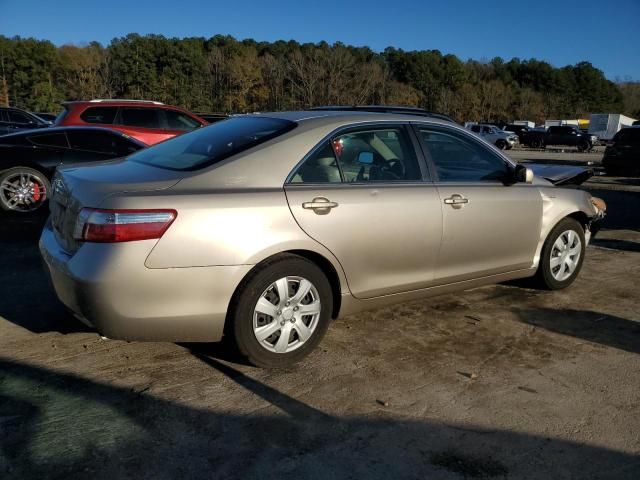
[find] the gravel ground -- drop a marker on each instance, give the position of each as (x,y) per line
(498,382)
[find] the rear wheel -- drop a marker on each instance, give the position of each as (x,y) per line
(281,312)
(537,143)
(562,255)
(23,189)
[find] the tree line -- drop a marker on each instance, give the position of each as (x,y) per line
(222,74)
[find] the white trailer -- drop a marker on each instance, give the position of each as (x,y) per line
(526,123)
(606,125)
(559,123)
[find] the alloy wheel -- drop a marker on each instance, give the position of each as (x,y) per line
(23,191)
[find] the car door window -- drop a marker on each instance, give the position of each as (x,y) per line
(362,156)
(18,117)
(104,115)
(93,141)
(460,159)
(140,117)
(180,121)
(58,140)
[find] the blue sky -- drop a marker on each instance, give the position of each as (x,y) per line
(604,32)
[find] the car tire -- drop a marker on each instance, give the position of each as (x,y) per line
(501,144)
(536,144)
(38,192)
(249,312)
(583,147)
(556,258)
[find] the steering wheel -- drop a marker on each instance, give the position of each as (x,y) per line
(393,168)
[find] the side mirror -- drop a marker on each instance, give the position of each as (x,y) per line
(523,174)
(365,157)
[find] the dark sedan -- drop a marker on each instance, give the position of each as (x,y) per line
(28,159)
(15,120)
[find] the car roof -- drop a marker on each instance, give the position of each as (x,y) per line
(341,117)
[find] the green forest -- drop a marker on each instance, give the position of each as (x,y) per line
(222,74)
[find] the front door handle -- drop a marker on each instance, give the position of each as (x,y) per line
(456,200)
(320,205)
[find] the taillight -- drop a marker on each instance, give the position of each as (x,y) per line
(107,226)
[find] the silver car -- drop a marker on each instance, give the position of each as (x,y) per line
(492,134)
(262,228)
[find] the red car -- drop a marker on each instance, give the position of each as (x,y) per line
(146,121)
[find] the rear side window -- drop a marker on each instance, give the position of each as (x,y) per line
(212,144)
(180,121)
(58,140)
(379,155)
(102,142)
(104,115)
(140,117)
(61,116)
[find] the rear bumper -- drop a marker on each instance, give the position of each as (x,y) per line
(109,287)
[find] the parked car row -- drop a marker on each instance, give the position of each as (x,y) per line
(88,131)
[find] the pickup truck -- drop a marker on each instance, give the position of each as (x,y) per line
(568,135)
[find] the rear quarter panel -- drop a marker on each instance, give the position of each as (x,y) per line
(224,228)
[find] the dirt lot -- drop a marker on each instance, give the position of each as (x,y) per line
(498,382)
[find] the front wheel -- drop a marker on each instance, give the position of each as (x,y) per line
(501,144)
(23,189)
(281,312)
(562,255)
(584,147)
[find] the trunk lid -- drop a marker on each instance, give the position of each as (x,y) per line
(76,187)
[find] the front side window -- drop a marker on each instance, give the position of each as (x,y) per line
(460,159)
(207,146)
(140,117)
(371,155)
(180,121)
(103,115)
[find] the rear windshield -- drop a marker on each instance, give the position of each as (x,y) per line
(209,145)
(61,115)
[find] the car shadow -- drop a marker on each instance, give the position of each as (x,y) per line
(60,425)
(27,298)
(617,244)
(605,329)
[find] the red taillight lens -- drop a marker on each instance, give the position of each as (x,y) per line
(107,226)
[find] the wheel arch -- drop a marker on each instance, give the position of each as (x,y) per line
(323,263)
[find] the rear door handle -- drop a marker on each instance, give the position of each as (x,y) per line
(456,200)
(320,205)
